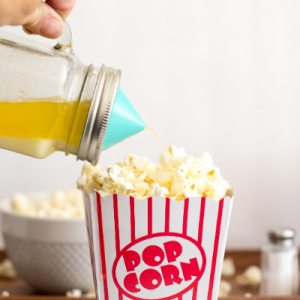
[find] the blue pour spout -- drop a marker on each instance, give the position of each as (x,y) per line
(124,121)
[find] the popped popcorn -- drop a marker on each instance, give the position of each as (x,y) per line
(61,204)
(5,294)
(228,268)
(76,293)
(251,276)
(20,203)
(178,176)
(91,294)
(224,289)
(7,270)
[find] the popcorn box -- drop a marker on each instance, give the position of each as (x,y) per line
(156,248)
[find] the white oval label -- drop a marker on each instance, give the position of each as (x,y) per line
(161,266)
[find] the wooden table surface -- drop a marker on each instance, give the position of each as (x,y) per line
(234,297)
(20,290)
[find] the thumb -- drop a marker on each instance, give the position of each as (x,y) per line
(44,21)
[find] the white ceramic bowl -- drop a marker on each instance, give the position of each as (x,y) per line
(51,254)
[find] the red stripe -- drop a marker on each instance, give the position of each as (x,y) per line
(117,231)
(149,216)
(167,216)
(195,292)
(120,295)
(101,242)
(180,297)
(201,220)
(116,216)
(200,234)
(132,219)
(215,253)
(185,216)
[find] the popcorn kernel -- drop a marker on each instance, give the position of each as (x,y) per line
(178,176)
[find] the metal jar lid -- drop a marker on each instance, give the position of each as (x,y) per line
(99,113)
(281,235)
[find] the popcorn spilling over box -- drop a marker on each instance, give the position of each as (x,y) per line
(157,243)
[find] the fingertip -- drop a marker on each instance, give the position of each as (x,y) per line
(45,22)
(62,7)
(52,28)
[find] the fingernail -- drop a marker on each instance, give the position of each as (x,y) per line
(51,28)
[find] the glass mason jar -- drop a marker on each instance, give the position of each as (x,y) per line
(50,101)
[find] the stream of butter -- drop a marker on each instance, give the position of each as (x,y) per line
(164,150)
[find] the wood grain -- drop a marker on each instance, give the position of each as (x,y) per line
(242,260)
(70,298)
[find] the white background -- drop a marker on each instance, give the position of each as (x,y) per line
(217,76)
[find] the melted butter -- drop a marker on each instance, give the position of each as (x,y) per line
(164,149)
(157,137)
(38,127)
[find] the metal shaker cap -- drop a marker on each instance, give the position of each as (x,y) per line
(99,113)
(280,235)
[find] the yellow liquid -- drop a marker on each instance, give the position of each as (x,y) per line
(40,127)
(164,149)
(157,137)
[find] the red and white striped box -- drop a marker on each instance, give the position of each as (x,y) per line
(156,248)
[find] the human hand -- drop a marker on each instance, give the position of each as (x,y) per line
(36,17)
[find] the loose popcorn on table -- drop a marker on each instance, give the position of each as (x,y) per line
(76,293)
(61,204)
(228,268)
(251,276)
(5,294)
(91,294)
(224,289)
(178,176)
(7,270)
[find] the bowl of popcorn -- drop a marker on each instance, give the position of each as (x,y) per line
(157,231)
(46,239)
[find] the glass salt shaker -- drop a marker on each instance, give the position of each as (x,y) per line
(279,263)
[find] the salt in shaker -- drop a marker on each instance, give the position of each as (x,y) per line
(279,263)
